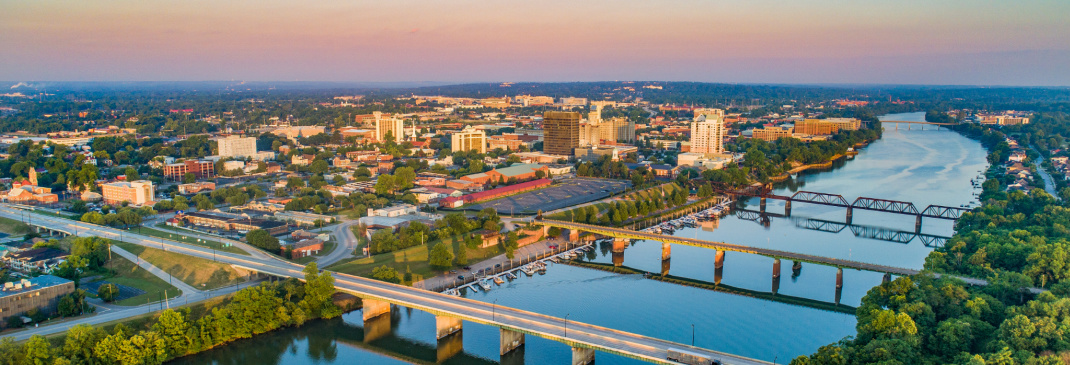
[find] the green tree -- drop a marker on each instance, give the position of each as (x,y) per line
(189,178)
(107,292)
(440,258)
(462,255)
(387,274)
(318,166)
(38,351)
(262,239)
(319,287)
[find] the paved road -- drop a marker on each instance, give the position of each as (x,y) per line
(347,242)
(578,334)
(617,232)
(1049,183)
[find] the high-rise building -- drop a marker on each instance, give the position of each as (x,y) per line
(135,192)
(237,147)
(625,129)
(200,169)
(469,139)
(562,132)
(707,131)
(394,126)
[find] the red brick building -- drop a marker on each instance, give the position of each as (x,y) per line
(201,169)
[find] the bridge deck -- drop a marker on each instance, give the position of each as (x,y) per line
(578,334)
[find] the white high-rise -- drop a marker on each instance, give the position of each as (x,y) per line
(237,147)
(707,131)
(395,126)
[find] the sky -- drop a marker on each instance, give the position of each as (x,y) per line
(945,42)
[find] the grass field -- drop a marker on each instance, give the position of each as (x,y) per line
(129,274)
(413,258)
(178,236)
(13,227)
(197,272)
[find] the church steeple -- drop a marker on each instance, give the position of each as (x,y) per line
(33,176)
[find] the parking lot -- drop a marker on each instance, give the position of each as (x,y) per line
(562,194)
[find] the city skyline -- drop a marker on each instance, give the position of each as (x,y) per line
(950,43)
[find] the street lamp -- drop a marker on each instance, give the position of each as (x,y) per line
(566,324)
(493,309)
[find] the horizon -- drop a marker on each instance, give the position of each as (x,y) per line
(736,42)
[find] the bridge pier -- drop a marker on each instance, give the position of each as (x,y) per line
(619,244)
(839,277)
(666,251)
(718,259)
(761,204)
(445,326)
(850,213)
(449,347)
(376,327)
(665,267)
(776,268)
(373,308)
(787,208)
(917,224)
(582,356)
(510,340)
(887,278)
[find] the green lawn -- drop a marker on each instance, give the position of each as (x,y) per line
(129,274)
(195,271)
(413,258)
(13,227)
(181,237)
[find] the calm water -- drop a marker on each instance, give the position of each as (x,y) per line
(923,167)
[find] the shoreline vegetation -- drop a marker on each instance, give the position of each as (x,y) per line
(174,333)
(1015,240)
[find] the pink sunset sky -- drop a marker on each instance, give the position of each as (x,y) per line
(972,42)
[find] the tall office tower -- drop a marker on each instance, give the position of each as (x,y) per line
(395,126)
(561,132)
(707,131)
(469,139)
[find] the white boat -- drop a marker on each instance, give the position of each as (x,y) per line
(485,284)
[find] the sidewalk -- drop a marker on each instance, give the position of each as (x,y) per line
(186,288)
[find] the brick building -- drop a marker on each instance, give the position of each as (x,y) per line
(200,169)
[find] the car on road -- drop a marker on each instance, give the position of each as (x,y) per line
(460,277)
(553,247)
(497,266)
(453,271)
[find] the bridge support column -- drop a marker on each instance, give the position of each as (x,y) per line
(619,244)
(839,278)
(666,251)
(776,268)
(917,224)
(718,259)
(445,326)
(449,347)
(761,204)
(582,356)
(373,308)
(376,327)
(665,267)
(850,213)
(510,340)
(887,278)
(787,208)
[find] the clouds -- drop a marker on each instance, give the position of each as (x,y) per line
(955,41)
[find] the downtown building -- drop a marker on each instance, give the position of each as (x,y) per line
(393,127)
(138,192)
(562,132)
(469,139)
(708,131)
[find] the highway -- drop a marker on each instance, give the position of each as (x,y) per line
(573,333)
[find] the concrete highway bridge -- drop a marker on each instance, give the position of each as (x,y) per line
(622,236)
(378,298)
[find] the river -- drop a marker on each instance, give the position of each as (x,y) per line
(920,166)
